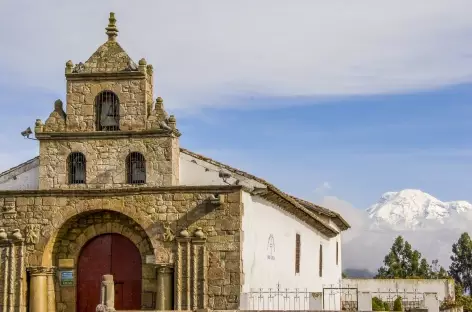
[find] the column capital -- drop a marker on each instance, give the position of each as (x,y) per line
(198,240)
(164,268)
(39,270)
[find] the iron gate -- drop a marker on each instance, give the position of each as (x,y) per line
(340,298)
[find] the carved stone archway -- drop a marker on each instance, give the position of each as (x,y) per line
(69,240)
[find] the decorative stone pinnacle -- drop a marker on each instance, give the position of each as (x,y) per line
(142,62)
(69,66)
(112,31)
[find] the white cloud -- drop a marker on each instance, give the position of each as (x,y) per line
(321,189)
(365,248)
(204,51)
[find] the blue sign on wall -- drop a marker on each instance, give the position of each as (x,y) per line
(67,278)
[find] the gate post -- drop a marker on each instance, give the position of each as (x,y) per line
(364,300)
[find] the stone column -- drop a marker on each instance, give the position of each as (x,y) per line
(165,285)
(51,291)
(182,273)
(199,272)
(39,288)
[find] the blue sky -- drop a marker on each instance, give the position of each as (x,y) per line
(320,99)
(361,146)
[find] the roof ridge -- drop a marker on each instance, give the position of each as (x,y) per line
(284,195)
(19,166)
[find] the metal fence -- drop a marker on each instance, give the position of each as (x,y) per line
(332,298)
(281,299)
(410,299)
(340,298)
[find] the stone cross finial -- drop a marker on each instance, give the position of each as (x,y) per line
(112,31)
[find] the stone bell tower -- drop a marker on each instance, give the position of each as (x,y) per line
(112,133)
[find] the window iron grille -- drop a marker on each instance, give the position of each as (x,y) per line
(297,253)
(337,253)
(107,107)
(321,261)
(136,168)
(77,166)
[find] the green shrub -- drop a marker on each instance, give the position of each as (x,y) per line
(398,304)
(377,304)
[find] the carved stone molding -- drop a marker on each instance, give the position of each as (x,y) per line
(165,268)
(191,287)
(168,235)
(39,270)
(32,234)
(8,208)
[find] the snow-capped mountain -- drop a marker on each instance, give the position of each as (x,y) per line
(413,208)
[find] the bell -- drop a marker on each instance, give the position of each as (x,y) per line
(109,121)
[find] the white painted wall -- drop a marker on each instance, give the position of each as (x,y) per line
(262,219)
(381,287)
(194,171)
(21,180)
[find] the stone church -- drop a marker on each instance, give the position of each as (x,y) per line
(113,193)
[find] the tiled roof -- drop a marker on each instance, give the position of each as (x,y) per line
(300,204)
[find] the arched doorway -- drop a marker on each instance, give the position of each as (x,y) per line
(109,254)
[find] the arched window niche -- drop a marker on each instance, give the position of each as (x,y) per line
(135,168)
(107,108)
(77,168)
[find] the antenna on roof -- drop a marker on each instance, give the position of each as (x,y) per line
(224,175)
(26,133)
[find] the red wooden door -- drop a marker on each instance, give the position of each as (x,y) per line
(109,254)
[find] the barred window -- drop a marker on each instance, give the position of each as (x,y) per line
(107,108)
(77,166)
(321,261)
(337,253)
(297,253)
(135,168)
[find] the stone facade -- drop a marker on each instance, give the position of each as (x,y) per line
(188,238)
(105,160)
(181,228)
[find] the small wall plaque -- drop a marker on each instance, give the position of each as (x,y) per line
(150,259)
(67,278)
(66,263)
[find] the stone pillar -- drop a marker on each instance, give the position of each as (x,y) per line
(182,273)
(364,301)
(191,289)
(12,268)
(51,291)
(199,272)
(431,301)
(165,287)
(107,294)
(316,301)
(39,288)
(4,270)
